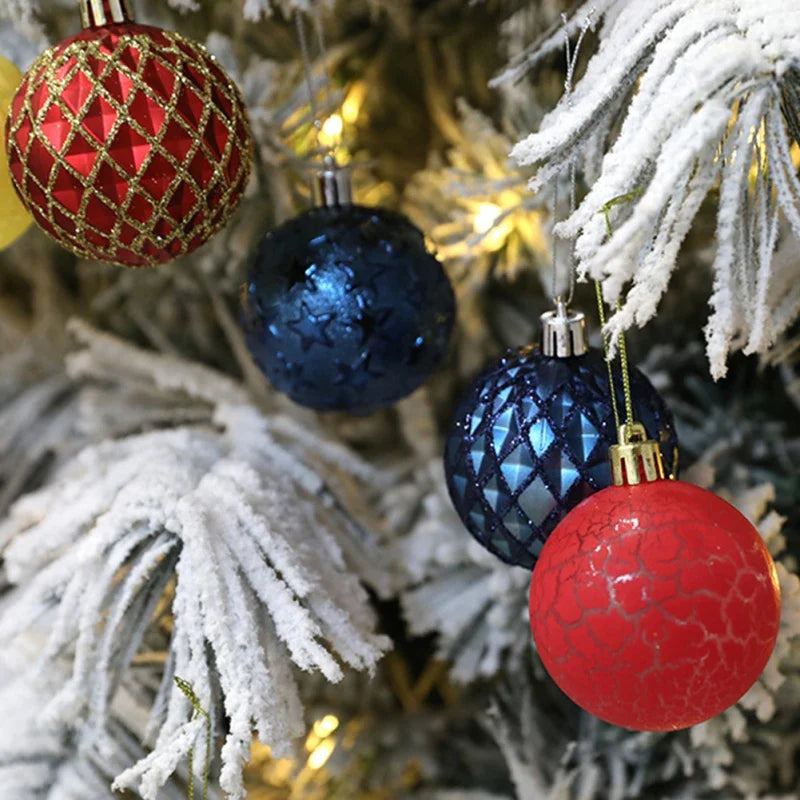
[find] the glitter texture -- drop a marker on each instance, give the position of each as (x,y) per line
(530,440)
(129,144)
(345,308)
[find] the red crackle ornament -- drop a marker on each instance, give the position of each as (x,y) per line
(127,143)
(655,604)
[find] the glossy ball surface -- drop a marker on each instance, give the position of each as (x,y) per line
(16,219)
(655,607)
(129,144)
(345,309)
(529,441)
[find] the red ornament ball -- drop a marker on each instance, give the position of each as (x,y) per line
(656,606)
(129,144)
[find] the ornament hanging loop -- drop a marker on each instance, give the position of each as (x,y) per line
(636,459)
(98,13)
(563,332)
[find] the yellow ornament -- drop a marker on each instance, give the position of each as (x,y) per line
(14,217)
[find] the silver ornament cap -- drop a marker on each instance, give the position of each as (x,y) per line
(563,332)
(332,185)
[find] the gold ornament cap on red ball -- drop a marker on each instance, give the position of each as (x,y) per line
(127,143)
(635,459)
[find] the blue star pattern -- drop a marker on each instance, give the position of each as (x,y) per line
(530,440)
(311,328)
(345,309)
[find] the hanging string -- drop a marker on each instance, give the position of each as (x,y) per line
(572,60)
(190,791)
(601,312)
(308,71)
(626,375)
(323,51)
(554,296)
(623,348)
(569,80)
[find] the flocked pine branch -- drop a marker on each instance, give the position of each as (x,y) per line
(236,525)
(39,761)
(37,400)
(692,93)
(455,588)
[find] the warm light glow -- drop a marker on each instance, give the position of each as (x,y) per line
(485,217)
(495,233)
(321,754)
(326,726)
(331,130)
(353,102)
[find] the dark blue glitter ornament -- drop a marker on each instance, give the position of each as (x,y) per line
(530,440)
(346,309)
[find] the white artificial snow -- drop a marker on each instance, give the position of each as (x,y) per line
(476,604)
(697,89)
(239,527)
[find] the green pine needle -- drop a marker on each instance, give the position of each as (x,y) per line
(619,200)
(199,711)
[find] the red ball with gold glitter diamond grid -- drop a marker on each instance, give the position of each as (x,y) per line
(128,144)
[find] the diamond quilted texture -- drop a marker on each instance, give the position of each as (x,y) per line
(517,465)
(495,495)
(129,150)
(530,440)
(540,435)
(477,455)
(504,429)
(55,128)
(118,85)
(81,155)
(560,407)
(109,164)
(559,472)
(583,436)
(536,502)
(76,92)
(66,191)
(110,183)
(99,118)
(477,417)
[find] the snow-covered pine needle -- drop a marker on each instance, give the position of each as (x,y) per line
(235,524)
(694,93)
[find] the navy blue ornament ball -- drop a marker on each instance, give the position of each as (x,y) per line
(345,308)
(529,441)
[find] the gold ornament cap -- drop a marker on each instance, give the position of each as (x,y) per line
(97,13)
(563,332)
(332,186)
(636,459)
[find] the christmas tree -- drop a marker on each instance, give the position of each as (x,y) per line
(208,588)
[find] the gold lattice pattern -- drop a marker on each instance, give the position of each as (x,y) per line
(129,144)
